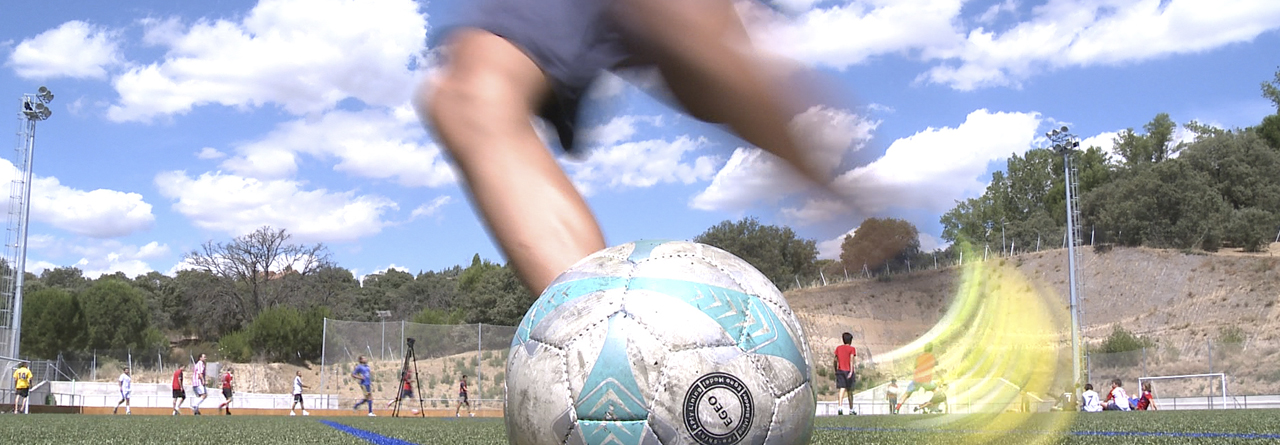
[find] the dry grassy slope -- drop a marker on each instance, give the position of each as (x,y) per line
(1178,299)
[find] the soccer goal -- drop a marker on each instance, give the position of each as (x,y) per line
(1190,391)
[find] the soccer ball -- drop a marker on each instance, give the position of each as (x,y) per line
(414,411)
(659,342)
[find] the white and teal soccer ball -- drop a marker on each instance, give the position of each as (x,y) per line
(659,342)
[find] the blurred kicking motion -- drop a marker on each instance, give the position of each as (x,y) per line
(511,60)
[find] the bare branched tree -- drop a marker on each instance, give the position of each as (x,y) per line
(258,263)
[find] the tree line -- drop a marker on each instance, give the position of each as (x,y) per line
(1222,189)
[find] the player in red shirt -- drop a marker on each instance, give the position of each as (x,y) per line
(179,392)
(406,388)
(844,372)
(226,392)
(463,399)
(1147,400)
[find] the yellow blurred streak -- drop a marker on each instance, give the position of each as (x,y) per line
(999,344)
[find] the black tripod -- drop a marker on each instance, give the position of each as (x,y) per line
(409,357)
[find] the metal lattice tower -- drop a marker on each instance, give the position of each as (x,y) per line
(1065,144)
(34,108)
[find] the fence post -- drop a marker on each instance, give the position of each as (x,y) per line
(324,334)
(479,346)
(1209,345)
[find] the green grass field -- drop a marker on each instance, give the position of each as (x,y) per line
(1166,427)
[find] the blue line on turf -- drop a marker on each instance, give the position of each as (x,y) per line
(1074,433)
(366,435)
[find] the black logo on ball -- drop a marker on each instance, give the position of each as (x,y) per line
(718,409)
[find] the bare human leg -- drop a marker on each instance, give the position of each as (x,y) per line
(481,109)
(702,51)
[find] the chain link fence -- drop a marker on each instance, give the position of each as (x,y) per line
(1247,372)
(441,355)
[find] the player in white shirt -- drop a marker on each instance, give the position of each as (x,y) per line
(297,394)
(197,385)
(1089,401)
(1117,399)
(126,390)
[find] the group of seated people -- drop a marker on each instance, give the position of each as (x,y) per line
(1116,399)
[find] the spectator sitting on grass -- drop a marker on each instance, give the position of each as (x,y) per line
(1089,401)
(1116,399)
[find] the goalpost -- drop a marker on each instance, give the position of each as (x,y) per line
(1222,379)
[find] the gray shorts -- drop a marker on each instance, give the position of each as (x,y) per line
(572,41)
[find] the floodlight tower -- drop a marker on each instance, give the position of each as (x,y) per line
(1065,143)
(34,108)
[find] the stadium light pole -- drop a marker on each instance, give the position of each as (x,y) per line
(1064,143)
(34,108)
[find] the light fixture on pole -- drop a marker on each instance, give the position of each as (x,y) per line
(1064,143)
(34,108)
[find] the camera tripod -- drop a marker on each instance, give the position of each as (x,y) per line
(409,358)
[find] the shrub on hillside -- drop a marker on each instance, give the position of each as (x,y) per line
(1122,340)
(235,347)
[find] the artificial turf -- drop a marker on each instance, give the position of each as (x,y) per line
(1162,427)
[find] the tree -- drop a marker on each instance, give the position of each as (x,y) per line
(775,251)
(335,288)
(69,278)
(1157,145)
(211,300)
(1170,205)
(1271,90)
(493,294)
(287,334)
(52,322)
(385,291)
(168,311)
(256,262)
(878,242)
(116,316)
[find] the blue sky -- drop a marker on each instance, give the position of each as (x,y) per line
(177,123)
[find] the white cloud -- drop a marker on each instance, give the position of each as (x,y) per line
(96,213)
(368,144)
(929,170)
(430,208)
(642,164)
(851,32)
(237,205)
(618,129)
(74,49)
(305,55)
(210,153)
(1100,32)
(930,243)
(753,176)
(99,257)
(831,249)
(1105,141)
(1057,34)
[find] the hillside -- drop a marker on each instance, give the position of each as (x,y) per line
(1182,302)
(1185,303)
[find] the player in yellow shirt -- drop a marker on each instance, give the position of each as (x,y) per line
(22,386)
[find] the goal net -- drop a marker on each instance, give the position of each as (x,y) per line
(444,353)
(1190,391)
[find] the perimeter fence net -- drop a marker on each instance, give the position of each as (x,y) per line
(443,353)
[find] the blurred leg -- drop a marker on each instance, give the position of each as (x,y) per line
(481,109)
(703,52)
